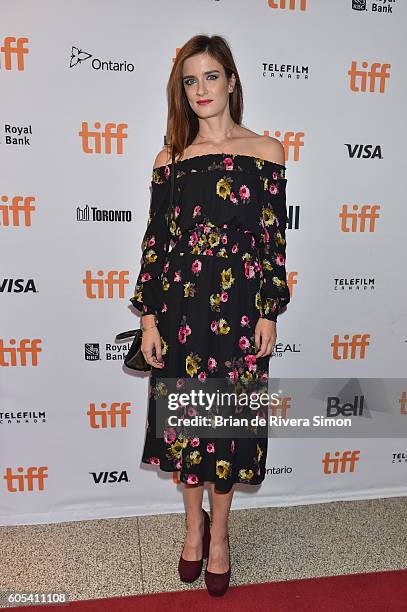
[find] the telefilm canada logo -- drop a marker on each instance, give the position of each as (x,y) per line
(80,56)
(282,71)
(354,284)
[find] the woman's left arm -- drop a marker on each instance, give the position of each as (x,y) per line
(274,293)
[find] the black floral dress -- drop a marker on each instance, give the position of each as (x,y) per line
(224,270)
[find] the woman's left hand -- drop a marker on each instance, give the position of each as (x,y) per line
(265,335)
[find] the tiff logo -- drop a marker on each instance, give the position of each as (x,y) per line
(360,79)
(403,403)
(13,47)
(290,4)
(18,212)
(18,355)
(350,349)
(291,141)
(356,221)
(283,404)
(291,281)
(113,279)
(340,462)
(101,141)
(23,482)
(113,416)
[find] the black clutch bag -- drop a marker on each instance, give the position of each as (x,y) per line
(134,359)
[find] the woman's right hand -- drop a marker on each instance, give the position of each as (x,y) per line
(150,340)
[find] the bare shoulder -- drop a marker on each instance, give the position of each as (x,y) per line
(163,157)
(270,148)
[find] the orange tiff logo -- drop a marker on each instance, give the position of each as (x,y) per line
(291,141)
(24,481)
(375,78)
(18,212)
(362,219)
(283,404)
(339,463)
(112,416)
(100,140)
(403,403)
(13,47)
(347,348)
(291,281)
(113,279)
(26,353)
(291,4)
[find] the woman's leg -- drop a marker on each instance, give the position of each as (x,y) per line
(218,561)
(193,495)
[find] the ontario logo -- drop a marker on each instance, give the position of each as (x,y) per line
(79,56)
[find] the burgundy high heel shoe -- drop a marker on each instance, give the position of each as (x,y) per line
(217,584)
(189,571)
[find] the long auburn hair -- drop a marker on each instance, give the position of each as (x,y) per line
(182,122)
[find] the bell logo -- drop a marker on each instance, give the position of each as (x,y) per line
(18,212)
(13,47)
(113,278)
(290,141)
(113,416)
(360,79)
(24,481)
(356,221)
(340,462)
(101,141)
(350,349)
(18,356)
(291,4)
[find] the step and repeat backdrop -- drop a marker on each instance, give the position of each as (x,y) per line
(83,115)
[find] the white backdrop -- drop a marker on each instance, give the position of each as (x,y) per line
(325,78)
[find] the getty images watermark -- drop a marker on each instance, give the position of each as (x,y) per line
(218,408)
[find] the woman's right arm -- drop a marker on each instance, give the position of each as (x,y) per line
(148,294)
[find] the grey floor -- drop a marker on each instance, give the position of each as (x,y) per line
(128,556)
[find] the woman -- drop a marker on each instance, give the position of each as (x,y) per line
(210,304)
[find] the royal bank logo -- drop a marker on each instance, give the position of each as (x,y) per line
(80,56)
(111,351)
(379,6)
(92,351)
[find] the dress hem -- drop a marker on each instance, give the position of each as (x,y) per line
(247,482)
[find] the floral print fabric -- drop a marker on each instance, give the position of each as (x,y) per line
(226,268)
